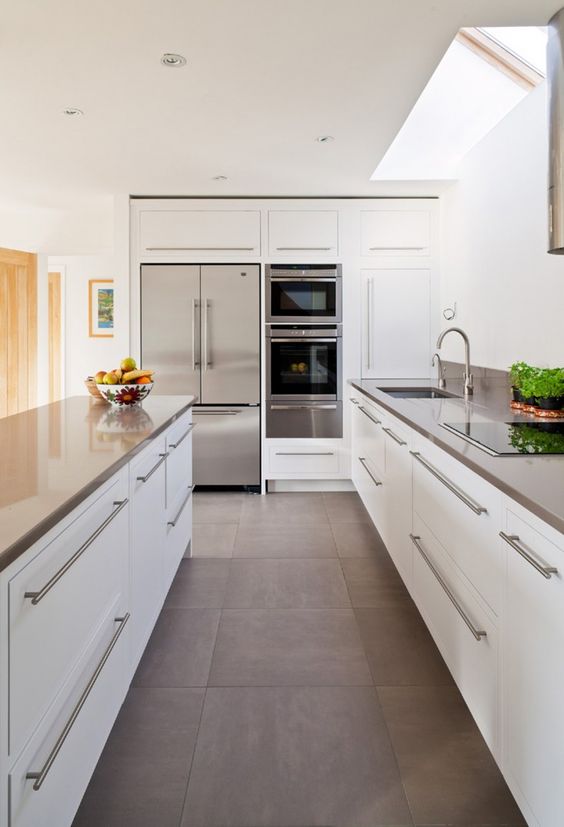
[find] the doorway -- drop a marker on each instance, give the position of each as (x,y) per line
(18,331)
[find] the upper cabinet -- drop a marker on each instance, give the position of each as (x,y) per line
(396,231)
(303,233)
(199,233)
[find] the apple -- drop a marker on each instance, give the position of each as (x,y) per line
(128,364)
(99,378)
(110,379)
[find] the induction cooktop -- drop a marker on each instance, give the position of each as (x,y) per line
(512,438)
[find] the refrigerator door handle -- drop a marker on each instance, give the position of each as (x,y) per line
(207,361)
(195,362)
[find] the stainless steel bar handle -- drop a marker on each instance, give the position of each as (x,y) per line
(185,501)
(314,407)
(195,362)
(199,248)
(154,468)
(182,438)
(369,324)
(395,437)
(305,248)
(369,415)
(312,280)
(540,565)
(216,413)
(207,361)
(354,401)
(40,776)
(305,339)
(369,472)
(478,633)
(472,504)
(305,453)
(37,596)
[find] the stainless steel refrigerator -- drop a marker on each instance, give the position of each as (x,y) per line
(200,332)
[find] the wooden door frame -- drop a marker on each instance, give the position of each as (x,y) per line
(53,267)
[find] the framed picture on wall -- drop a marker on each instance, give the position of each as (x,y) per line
(101,307)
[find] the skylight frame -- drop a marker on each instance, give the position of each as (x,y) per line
(501,57)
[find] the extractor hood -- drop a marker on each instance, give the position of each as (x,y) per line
(555,73)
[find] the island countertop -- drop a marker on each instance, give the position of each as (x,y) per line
(53,457)
(536,482)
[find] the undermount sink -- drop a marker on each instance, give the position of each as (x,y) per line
(418,393)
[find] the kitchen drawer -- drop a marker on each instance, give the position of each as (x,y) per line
(199,232)
(179,460)
(93,700)
(471,656)
(369,438)
(371,488)
(70,585)
(303,458)
(299,233)
(464,513)
(396,232)
(178,533)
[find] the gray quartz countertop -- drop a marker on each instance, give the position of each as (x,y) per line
(536,482)
(54,456)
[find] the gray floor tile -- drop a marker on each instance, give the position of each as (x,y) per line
(213,539)
(449,774)
(217,507)
(286,584)
(400,649)
(345,507)
(357,540)
(289,540)
(273,647)
(141,778)
(374,583)
(294,757)
(180,649)
(285,508)
(199,584)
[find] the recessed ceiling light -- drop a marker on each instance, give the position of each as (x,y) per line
(325,139)
(72,111)
(173,60)
(220,177)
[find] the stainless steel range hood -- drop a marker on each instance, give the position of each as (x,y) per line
(555,74)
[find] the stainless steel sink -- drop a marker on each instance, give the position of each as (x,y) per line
(418,393)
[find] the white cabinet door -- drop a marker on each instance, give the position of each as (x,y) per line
(398,499)
(533,672)
(169,232)
(303,232)
(397,232)
(396,341)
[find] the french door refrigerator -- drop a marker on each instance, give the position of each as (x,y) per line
(200,332)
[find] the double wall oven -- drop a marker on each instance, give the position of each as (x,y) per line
(304,351)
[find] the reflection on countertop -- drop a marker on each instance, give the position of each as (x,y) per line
(536,482)
(56,455)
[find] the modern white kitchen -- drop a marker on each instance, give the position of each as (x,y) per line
(282,414)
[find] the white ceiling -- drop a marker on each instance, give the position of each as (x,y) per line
(263,79)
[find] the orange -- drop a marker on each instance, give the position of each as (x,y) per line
(143,380)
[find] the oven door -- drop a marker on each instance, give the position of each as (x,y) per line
(303,299)
(303,369)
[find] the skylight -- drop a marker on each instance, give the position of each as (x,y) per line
(482,76)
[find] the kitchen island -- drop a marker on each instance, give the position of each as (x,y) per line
(95,516)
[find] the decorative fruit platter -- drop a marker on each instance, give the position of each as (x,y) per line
(123,386)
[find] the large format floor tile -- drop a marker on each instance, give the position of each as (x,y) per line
(345,507)
(449,774)
(286,540)
(296,647)
(141,778)
(284,508)
(199,584)
(400,649)
(217,507)
(286,584)
(213,539)
(357,540)
(374,583)
(294,757)
(180,650)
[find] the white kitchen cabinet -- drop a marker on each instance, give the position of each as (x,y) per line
(396,319)
(396,232)
(303,233)
(398,498)
(533,668)
(197,233)
(304,458)
(368,460)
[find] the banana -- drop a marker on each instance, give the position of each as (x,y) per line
(135,374)
(119,373)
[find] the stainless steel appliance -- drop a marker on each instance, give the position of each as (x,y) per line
(200,332)
(304,293)
(506,439)
(304,381)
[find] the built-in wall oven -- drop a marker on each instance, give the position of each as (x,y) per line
(304,381)
(303,293)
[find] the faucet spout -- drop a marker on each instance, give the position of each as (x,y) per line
(468,378)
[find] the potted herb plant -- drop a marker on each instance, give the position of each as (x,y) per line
(548,389)
(522,377)
(516,372)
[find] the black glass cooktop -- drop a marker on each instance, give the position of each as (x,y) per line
(512,438)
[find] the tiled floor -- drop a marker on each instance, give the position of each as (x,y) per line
(290,682)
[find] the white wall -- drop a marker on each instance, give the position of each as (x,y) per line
(509,291)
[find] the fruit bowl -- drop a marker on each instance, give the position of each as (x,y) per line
(121,395)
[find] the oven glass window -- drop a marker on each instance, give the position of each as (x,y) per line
(303,368)
(303,299)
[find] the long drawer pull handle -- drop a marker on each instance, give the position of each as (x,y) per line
(182,438)
(304,248)
(216,413)
(154,468)
(472,504)
(40,776)
(305,453)
(35,597)
(369,472)
(354,401)
(151,249)
(541,566)
(395,437)
(315,406)
(185,501)
(373,418)
(478,633)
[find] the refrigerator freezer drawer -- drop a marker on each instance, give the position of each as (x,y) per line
(226,445)
(304,420)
